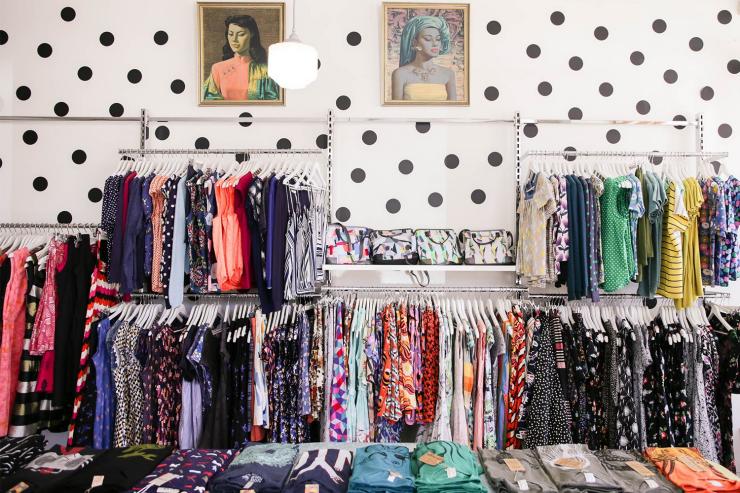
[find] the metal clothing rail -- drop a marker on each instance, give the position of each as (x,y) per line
(210,296)
(49,226)
(560,121)
(666,154)
(628,296)
(427,289)
(220,151)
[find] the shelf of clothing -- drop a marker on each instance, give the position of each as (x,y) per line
(418,268)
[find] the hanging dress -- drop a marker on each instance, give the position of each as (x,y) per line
(616,235)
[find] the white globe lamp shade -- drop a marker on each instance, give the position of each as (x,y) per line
(292,64)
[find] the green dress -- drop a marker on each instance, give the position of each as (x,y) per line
(616,236)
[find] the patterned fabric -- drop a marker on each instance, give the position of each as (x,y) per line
(189,470)
(437,246)
(627,436)
(536,207)
(158,208)
(42,339)
(516,380)
(126,374)
(389,406)
(337,416)
(430,369)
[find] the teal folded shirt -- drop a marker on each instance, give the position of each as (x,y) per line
(458,473)
(382,469)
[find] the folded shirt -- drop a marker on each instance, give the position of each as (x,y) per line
(382,469)
(261,468)
(47,471)
(634,473)
(690,471)
(17,452)
(185,471)
(327,468)
(458,471)
(573,468)
(503,469)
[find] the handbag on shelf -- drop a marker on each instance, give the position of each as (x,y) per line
(347,244)
(437,247)
(487,247)
(394,246)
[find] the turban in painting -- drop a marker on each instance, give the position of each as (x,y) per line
(412,29)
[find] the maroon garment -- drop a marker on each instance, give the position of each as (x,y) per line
(240,203)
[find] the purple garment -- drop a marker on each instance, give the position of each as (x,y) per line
(146,199)
(103,426)
(270,214)
(280,228)
(132,238)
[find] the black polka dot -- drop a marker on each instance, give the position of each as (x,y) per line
(23,93)
(284,143)
(30,137)
(435,199)
(68,14)
(716,165)
(724,130)
(569,157)
(491,93)
(64,217)
(318,63)
(557,18)
(343,102)
(533,51)
(177,86)
(452,161)
(405,167)
(322,141)
(240,157)
(637,58)
(613,136)
(724,16)
(134,76)
(575,63)
(3,37)
(493,27)
(61,109)
(95,195)
(44,50)
(423,127)
(670,76)
(606,89)
(544,88)
(643,107)
(245,114)
(354,38)
(106,38)
(162,132)
(342,214)
(659,26)
(531,130)
(575,113)
(40,183)
(651,303)
(79,156)
(696,44)
(1,163)
(202,143)
(679,118)
(161,37)
(733,66)
(393,206)
(655,159)
(358,175)
(707,93)
(495,159)
(84,73)
(369,137)
(116,109)
(601,33)
(478,196)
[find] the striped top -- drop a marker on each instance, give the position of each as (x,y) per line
(675,222)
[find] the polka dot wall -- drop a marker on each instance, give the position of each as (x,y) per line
(665,59)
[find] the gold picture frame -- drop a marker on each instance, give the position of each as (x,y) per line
(228,54)
(442,32)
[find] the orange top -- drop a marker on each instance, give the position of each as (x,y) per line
(232,77)
(688,470)
(227,238)
(155,190)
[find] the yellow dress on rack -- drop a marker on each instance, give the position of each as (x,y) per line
(692,287)
(675,223)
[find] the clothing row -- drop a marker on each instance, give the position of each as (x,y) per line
(669,235)
(204,231)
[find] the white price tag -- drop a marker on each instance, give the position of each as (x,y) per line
(589,477)
(523,485)
(97,481)
(451,472)
(164,478)
(651,483)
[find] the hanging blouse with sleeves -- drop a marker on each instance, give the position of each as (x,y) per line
(42,337)
(692,286)
(536,206)
(675,223)
(619,260)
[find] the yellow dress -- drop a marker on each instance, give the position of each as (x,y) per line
(675,224)
(692,287)
(419,91)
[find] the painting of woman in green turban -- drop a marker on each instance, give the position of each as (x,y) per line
(425,53)
(233,52)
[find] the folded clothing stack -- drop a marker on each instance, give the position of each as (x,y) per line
(17,452)
(688,470)
(634,473)
(446,466)
(186,471)
(382,469)
(327,469)
(48,471)
(261,468)
(515,470)
(574,469)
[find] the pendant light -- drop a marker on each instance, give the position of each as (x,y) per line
(292,64)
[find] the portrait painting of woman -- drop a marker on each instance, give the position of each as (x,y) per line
(234,38)
(425,53)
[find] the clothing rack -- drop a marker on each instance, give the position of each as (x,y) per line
(632,296)
(220,151)
(209,296)
(50,226)
(667,154)
(428,289)
(561,121)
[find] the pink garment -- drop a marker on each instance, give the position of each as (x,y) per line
(45,381)
(480,369)
(232,77)
(14,315)
(42,337)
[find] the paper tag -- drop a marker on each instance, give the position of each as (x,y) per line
(432,459)
(451,472)
(716,483)
(523,485)
(651,483)
(97,481)
(246,491)
(569,463)
(311,488)
(724,471)
(19,487)
(589,477)
(393,475)
(640,468)
(514,465)
(163,479)
(165,489)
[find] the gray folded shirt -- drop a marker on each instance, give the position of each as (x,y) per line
(631,480)
(575,469)
(504,480)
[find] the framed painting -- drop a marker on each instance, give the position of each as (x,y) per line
(426,53)
(233,39)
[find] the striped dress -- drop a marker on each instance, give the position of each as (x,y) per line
(675,223)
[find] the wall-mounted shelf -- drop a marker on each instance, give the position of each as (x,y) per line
(416,268)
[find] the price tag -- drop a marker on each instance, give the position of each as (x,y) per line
(716,483)
(589,477)
(393,475)
(246,491)
(523,485)
(651,483)
(164,489)
(431,459)
(19,487)
(514,465)
(163,479)
(311,488)
(640,468)
(97,481)
(451,472)
(569,463)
